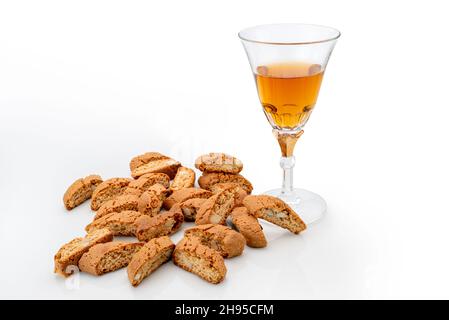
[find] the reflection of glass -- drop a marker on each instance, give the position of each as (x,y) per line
(288,62)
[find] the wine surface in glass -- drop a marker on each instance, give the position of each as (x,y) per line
(288,92)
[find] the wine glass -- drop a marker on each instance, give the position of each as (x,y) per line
(288,62)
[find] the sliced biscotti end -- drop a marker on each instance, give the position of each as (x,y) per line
(107,257)
(208,179)
(218,162)
(190,207)
(185,194)
(152,255)
(108,190)
(120,223)
(68,256)
(168,166)
(146,181)
(216,209)
(80,191)
(120,203)
(163,224)
(217,188)
(275,211)
(229,243)
(142,159)
(150,202)
(185,178)
(199,259)
(249,227)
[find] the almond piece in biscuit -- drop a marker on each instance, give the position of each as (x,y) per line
(153,254)
(218,187)
(218,162)
(68,256)
(199,259)
(229,243)
(249,227)
(190,208)
(145,158)
(150,202)
(275,211)
(185,194)
(185,178)
(207,180)
(216,209)
(107,257)
(143,183)
(120,223)
(108,190)
(167,166)
(118,204)
(80,191)
(163,224)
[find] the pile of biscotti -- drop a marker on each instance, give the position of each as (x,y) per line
(155,202)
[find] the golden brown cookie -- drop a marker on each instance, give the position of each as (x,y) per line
(218,162)
(151,201)
(120,223)
(143,183)
(275,211)
(80,191)
(199,259)
(108,190)
(163,224)
(229,243)
(218,187)
(142,159)
(185,194)
(216,209)
(190,208)
(167,166)
(152,255)
(118,204)
(207,180)
(185,178)
(67,257)
(249,227)
(107,257)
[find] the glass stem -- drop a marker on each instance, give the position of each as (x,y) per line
(287,164)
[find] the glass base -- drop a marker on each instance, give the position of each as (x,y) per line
(309,206)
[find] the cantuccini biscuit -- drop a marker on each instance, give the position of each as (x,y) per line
(249,227)
(190,208)
(80,191)
(217,208)
(185,194)
(207,180)
(120,223)
(163,224)
(199,259)
(143,183)
(118,204)
(68,256)
(218,162)
(142,159)
(167,166)
(150,202)
(229,243)
(152,255)
(185,178)
(275,211)
(107,257)
(218,187)
(108,190)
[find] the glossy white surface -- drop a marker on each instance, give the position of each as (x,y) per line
(85,87)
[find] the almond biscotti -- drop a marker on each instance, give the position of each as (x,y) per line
(108,190)
(185,194)
(152,255)
(107,257)
(185,178)
(229,243)
(199,259)
(190,207)
(216,209)
(218,187)
(207,180)
(163,224)
(69,254)
(249,227)
(145,158)
(218,162)
(143,183)
(168,166)
(150,202)
(275,211)
(120,223)
(118,204)
(80,191)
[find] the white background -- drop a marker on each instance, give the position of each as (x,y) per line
(86,85)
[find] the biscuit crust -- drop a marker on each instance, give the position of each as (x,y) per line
(218,162)
(190,207)
(216,209)
(146,181)
(108,190)
(142,159)
(185,194)
(120,223)
(168,166)
(249,227)
(185,178)
(80,191)
(118,204)
(207,180)
(150,202)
